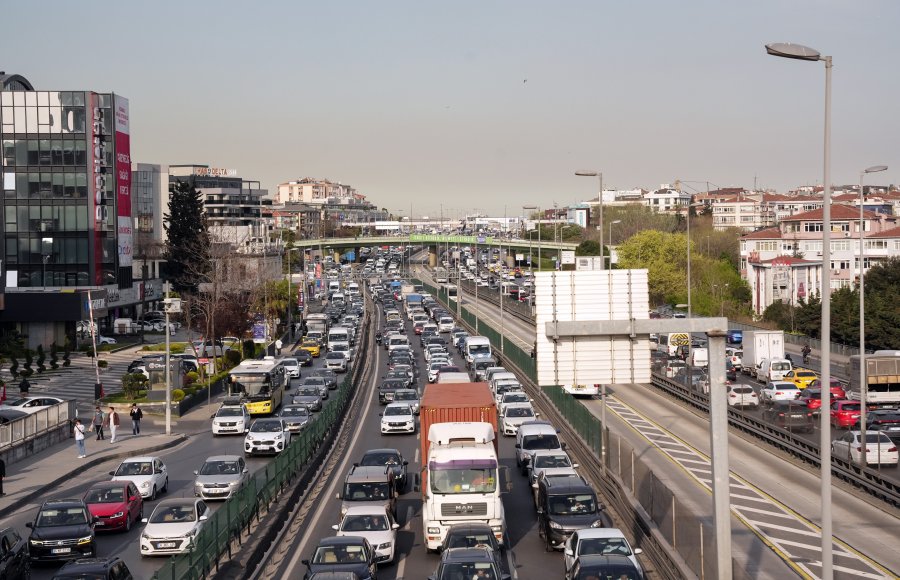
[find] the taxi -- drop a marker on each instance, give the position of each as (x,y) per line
(801,377)
(312,347)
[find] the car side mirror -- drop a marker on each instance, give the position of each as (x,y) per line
(406,463)
(144,520)
(563,445)
(29,525)
(213,416)
(534,485)
(540,511)
(575,466)
(305,562)
(637,551)
(569,552)
(196,472)
(337,495)
(246,470)
(518,446)
(335,527)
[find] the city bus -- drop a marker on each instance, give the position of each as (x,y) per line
(260,384)
(881,378)
(669,343)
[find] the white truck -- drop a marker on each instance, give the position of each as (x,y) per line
(760,345)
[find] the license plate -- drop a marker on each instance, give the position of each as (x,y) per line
(61,550)
(100,523)
(166,545)
(263,448)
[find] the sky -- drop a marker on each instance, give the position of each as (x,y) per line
(482,105)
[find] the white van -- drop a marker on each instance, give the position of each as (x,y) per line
(338,334)
(699,357)
(773,369)
(477,346)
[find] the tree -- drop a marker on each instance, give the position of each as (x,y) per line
(187,241)
(589,248)
(663,255)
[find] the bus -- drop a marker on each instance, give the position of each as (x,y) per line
(452,290)
(882,378)
(670,343)
(260,384)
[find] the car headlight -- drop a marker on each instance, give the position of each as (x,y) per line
(117,515)
(279,436)
(85,540)
(144,536)
(434,530)
(36,542)
(555,525)
(384,546)
(235,483)
(597,524)
(145,485)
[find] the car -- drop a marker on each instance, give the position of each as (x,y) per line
(549,461)
(468,563)
(220,476)
(565,505)
(837,388)
(296,417)
(472,535)
(113,568)
(779,391)
(336,361)
(309,396)
(114,505)
(599,541)
(172,526)
(267,436)
(387,388)
(885,420)
(801,377)
(791,415)
(400,374)
(105,340)
(148,473)
(14,561)
(845,414)
(510,397)
(304,358)
(329,376)
(408,396)
(62,529)
(513,415)
(879,448)
(318,382)
(398,418)
(742,396)
(375,524)
(342,554)
(591,566)
(391,458)
(31,405)
(532,436)
(231,418)
(291,367)
(312,347)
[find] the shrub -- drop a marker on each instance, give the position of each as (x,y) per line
(103,363)
(54,351)
(190,391)
(133,384)
(177,395)
(232,357)
(40,359)
(191,378)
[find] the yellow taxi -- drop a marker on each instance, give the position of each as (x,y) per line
(801,377)
(311,346)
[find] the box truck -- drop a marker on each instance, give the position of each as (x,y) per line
(759,345)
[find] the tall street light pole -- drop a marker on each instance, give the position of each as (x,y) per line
(290,297)
(611,224)
(863,386)
(799,52)
(600,200)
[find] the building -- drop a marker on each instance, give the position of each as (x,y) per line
(304,220)
(315,191)
(747,212)
(666,199)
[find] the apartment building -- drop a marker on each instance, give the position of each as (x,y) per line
(315,191)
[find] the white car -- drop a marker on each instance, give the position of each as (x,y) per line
(510,397)
(231,418)
(551,462)
(880,450)
(514,414)
(106,340)
(270,436)
(149,474)
(398,418)
(602,541)
(374,523)
(291,367)
(32,404)
(779,391)
(435,366)
(336,361)
(172,526)
(742,396)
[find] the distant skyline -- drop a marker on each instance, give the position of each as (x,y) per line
(482,105)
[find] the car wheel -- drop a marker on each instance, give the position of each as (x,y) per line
(128,524)
(548,547)
(152,494)
(165,488)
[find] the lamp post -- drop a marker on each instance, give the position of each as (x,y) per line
(863,387)
(598,174)
(530,259)
(611,224)
(289,300)
(799,52)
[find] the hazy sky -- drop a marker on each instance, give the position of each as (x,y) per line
(481,104)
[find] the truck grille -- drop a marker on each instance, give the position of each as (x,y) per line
(464,509)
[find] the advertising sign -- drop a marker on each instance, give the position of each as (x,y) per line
(123,181)
(100,213)
(568,256)
(259,332)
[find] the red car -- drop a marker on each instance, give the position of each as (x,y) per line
(837,388)
(812,397)
(845,414)
(117,504)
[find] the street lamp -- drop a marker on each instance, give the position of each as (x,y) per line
(530,259)
(600,199)
(289,300)
(799,52)
(863,386)
(611,224)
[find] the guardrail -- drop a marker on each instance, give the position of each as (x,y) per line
(24,429)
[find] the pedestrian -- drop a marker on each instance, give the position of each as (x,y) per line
(24,386)
(136,416)
(98,422)
(113,419)
(79,439)
(2,475)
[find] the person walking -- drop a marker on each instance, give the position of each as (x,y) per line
(136,416)
(79,438)
(113,424)
(98,422)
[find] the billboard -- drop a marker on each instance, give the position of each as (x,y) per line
(97,136)
(124,222)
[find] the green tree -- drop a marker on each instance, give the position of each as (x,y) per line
(589,248)
(54,355)
(187,237)
(40,359)
(663,255)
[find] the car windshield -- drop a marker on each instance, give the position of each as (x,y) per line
(295,412)
(308,391)
(266,427)
(220,467)
(365,523)
(408,396)
(51,517)
(520,412)
(532,442)
(135,468)
(167,514)
(781,366)
(340,347)
(314,381)
(474,570)
(310,344)
(289,362)
(229,412)
(366,491)
(343,554)
(470,540)
(515,398)
(463,476)
(575,504)
(393,411)
(617,546)
(548,461)
(105,495)
(334,356)
(849,407)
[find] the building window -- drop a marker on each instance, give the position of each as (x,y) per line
(876,244)
(812,246)
(812,226)
(767,246)
(840,246)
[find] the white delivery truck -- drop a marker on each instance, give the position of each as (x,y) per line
(759,345)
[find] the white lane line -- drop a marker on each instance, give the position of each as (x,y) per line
(774,514)
(798,531)
(856,573)
(401,564)
(750,498)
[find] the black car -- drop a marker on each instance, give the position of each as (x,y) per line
(472,535)
(62,530)
(566,504)
(329,375)
(342,554)
(95,569)
(14,561)
(604,566)
(387,388)
(468,563)
(303,357)
(790,415)
(390,457)
(886,420)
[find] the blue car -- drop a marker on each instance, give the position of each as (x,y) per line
(735,336)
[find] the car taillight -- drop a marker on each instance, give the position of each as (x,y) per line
(733,396)
(892,450)
(778,393)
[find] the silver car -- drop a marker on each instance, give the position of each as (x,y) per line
(336,362)
(220,476)
(297,417)
(318,382)
(308,396)
(408,396)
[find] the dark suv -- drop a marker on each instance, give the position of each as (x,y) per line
(468,563)
(62,530)
(790,415)
(369,485)
(566,504)
(14,562)
(94,568)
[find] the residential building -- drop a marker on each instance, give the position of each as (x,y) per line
(747,212)
(303,219)
(666,199)
(315,191)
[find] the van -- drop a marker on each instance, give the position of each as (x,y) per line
(699,357)
(497,377)
(532,436)
(773,369)
(123,326)
(369,486)
(566,503)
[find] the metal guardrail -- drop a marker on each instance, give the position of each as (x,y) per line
(868,480)
(24,429)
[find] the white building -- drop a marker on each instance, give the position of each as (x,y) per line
(666,199)
(316,191)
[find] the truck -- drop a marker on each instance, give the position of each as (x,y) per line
(882,378)
(412,300)
(759,345)
(460,476)
(317,322)
(406,289)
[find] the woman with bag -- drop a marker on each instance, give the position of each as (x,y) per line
(79,438)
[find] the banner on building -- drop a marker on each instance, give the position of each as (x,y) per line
(124,222)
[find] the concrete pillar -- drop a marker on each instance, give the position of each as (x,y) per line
(432,256)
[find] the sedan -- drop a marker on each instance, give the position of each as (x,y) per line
(291,367)
(106,340)
(269,436)
(329,376)
(114,504)
(172,526)
(390,458)
(514,414)
(801,377)
(303,357)
(398,418)
(149,474)
(879,448)
(32,404)
(308,396)
(599,541)
(408,396)
(336,361)
(845,414)
(510,397)
(318,382)
(296,417)
(375,524)
(343,554)
(312,347)
(220,476)
(790,415)
(779,391)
